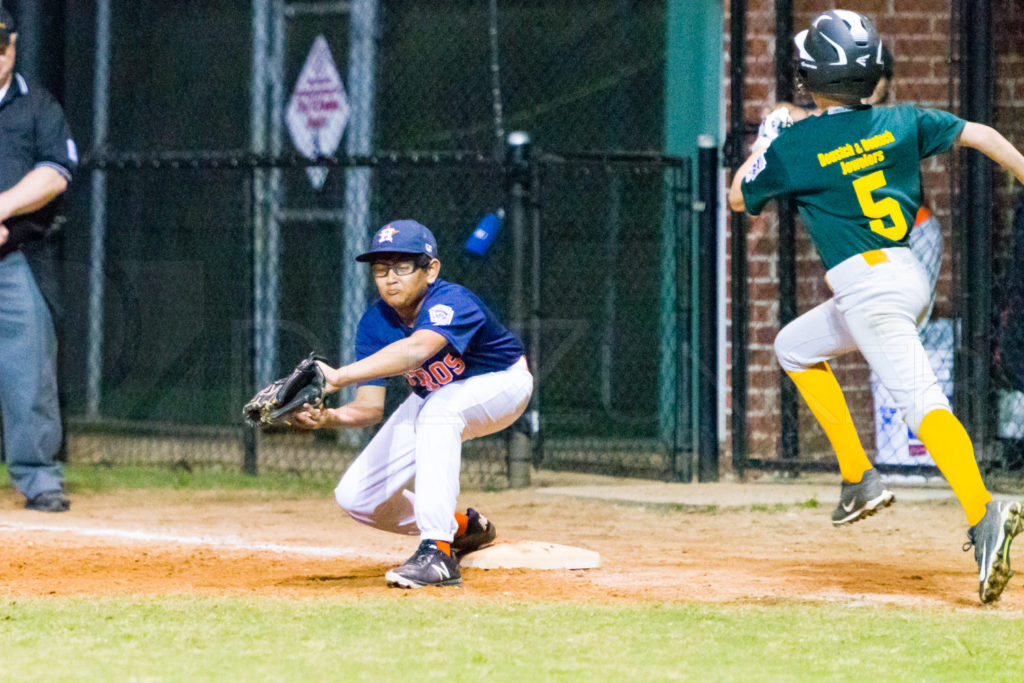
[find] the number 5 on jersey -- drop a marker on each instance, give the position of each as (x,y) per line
(884,208)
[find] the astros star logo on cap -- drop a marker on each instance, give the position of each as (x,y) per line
(386,234)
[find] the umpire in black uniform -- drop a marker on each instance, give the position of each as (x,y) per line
(37,157)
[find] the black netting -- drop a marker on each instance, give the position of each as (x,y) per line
(208,226)
(609,288)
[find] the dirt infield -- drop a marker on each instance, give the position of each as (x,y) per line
(212,543)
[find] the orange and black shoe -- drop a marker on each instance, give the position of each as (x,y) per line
(479,533)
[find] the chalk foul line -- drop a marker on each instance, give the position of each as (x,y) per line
(220,542)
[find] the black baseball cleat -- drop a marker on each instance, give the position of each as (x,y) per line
(49,501)
(863,499)
(429,566)
(479,532)
(991,538)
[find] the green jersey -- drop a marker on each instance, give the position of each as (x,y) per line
(854,173)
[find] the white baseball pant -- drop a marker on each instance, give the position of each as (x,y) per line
(876,309)
(423,440)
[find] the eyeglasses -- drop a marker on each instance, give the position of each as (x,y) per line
(399,267)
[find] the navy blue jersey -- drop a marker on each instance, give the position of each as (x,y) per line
(477,342)
(35,134)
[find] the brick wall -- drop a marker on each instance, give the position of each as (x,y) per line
(917,31)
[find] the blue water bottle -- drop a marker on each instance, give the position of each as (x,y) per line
(485,233)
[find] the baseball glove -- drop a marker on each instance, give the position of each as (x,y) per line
(275,403)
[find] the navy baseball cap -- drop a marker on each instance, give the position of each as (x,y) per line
(7,25)
(401,237)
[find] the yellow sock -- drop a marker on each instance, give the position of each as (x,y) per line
(951,449)
(824,397)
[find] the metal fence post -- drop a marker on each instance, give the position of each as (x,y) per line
(254,375)
(789,421)
(533,349)
(973,356)
(518,173)
(684,358)
(364,20)
(707,311)
(245,340)
(738,237)
(98,214)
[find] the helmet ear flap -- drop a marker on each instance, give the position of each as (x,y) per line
(801,80)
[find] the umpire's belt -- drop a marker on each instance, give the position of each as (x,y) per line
(858,267)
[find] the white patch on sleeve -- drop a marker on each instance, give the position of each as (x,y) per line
(755,170)
(441,314)
(72,151)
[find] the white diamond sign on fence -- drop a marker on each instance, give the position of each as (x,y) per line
(318,109)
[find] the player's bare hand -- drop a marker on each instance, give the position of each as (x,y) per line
(311,417)
(3,234)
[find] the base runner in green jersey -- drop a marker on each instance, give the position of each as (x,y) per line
(854,173)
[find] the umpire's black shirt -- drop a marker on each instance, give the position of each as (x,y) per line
(33,133)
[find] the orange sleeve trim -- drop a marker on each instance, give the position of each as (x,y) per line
(923,214)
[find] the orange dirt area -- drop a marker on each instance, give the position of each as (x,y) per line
(248,543)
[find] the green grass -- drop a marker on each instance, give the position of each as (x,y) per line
(452,636)
(422,637)
(103,478)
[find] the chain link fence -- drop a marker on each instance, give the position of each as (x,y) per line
(616,277)
(176,361)
(1009,347)
(204,254)
(1008,240)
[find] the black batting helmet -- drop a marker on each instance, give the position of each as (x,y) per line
(840,56)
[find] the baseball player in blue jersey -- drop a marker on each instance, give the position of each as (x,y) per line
(469,378)
(854,171)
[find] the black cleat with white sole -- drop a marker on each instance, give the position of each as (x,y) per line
(863,499)
(429,566)
(991,538)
